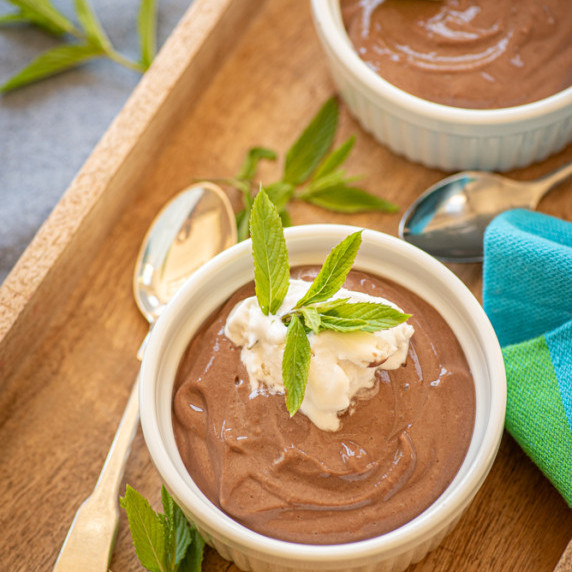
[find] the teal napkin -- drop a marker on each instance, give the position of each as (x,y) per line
(527,294)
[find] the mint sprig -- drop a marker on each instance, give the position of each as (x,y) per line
(163,542)
(315,311)
(312,173)
(88,39)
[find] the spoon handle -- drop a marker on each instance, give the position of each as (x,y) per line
(89,542)
(548,182)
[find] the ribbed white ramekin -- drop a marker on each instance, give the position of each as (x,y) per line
(436,135)
(379,254)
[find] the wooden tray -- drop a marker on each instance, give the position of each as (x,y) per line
(234,74)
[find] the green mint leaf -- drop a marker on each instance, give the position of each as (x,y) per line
(335,158)
(253,157)
(183,534)
(334,271)
(330,304)
(43,14)
(169,528)
(192,562)
(242,224)
(178,537)
(344,199)
(14,18)
(336,178)
(271,268)
(307,152)
(311,318)
(295,364)
(147,531)
(51,63)
(147,29)
(342,325)
(90,24)
(244,187)
(178,534)
(280,194)
(359,316)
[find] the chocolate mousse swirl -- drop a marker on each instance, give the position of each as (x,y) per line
(466,53)
(399,446)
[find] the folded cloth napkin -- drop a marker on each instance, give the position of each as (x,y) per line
(527,294)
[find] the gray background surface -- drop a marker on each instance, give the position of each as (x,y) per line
(48,130)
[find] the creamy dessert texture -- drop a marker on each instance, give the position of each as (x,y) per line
(466,53)
(397,447)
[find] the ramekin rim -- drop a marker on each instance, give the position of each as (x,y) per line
(340,44)
(395,541)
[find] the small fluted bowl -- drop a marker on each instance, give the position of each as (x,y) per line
(446,137)
(380,255)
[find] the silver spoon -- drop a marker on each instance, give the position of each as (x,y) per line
(449,219)
(192,228)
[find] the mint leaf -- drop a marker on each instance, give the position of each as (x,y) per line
(335,158)
(244,187)
(253,157)
(147,531)
(193,559)
(295,364)
(311,318)
(146,27)
(359,316)
(169,527)
(307,152)
(163,542)
(334,271)
(91,25)
(14,18)
(280,194)
(345,199)
(183,533)
(242,224)
(177,530)
(51,63)
(45,15)
(330,180)
(271,268)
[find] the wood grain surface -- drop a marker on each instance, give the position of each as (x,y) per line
(61,403)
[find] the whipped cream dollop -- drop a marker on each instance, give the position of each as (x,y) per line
(342,364)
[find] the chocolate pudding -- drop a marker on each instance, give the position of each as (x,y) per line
(398,447)
(466,53)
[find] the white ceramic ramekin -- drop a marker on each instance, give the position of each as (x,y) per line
(385,256)
(436,135)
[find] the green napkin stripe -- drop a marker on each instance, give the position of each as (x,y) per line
(535,413)
(559,343)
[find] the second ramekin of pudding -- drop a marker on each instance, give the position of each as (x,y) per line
(454,84)
(215,449)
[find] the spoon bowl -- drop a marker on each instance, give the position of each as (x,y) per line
(189,230)
(449,219)
(193,227)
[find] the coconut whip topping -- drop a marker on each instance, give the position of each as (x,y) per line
(343,365)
